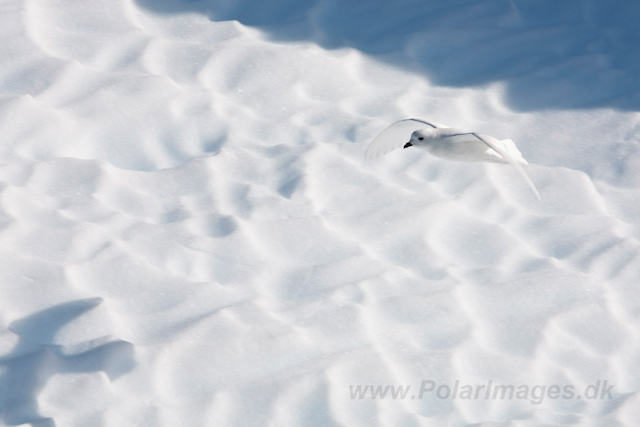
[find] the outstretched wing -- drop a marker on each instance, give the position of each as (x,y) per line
(395,136)
(497,146)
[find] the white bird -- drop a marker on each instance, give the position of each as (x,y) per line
(448,143)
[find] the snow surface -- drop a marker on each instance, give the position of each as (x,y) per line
(191,236)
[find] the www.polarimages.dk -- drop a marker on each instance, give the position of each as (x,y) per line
(535,394)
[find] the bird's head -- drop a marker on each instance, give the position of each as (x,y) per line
(420,137)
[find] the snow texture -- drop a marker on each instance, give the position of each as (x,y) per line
(190,235)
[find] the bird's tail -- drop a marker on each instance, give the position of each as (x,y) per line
(511,148)
(508,156)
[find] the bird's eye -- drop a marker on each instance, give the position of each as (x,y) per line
(420,139)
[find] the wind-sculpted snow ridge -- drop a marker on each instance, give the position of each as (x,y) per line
(286,274)
(191,237)
(573,54)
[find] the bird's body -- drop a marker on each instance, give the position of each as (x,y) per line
(459,145)
(448,143)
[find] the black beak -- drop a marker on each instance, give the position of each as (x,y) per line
(408,144)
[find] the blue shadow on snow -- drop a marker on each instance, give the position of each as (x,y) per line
(35,359)
(551,54)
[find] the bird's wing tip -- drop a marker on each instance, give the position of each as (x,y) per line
(490,141)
